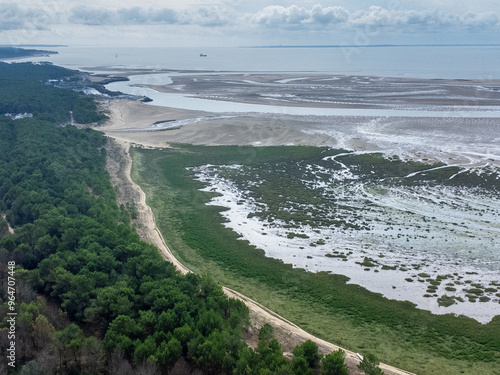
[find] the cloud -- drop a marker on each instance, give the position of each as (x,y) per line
(481,21)
(328,15)
(276,15)
(431,20)
(203,16)
(165,15)
(12,17)
(92,16)
(245,20)
(402,20)
(208,16)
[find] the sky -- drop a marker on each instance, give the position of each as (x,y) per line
(226,23)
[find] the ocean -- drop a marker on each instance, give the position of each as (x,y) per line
(460,62)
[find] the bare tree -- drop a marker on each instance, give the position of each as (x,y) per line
(118,365)
(46,361)
(147,368)
(93,356)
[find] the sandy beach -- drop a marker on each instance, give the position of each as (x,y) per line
(331,91)
(133,120)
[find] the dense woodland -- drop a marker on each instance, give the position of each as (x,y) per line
(15,52)
(30,88)
(91,297)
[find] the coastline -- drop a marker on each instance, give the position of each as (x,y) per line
(137,123)
(132,121)
(24,53)
(316,90)
(305,297)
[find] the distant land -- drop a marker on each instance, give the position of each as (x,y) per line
(15,52)
(34,45)
(378,45)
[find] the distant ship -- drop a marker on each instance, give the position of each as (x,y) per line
(202,55)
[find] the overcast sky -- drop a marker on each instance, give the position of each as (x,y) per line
(248,23)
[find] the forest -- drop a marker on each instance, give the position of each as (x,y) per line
(28,88)
(90,297)
(7,52)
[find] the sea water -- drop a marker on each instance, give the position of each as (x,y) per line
(460,62)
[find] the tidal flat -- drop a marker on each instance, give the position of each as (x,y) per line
(427,234)
(355,193)
(325,304)
(450,121)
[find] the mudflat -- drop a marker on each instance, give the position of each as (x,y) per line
(332,91)
(455,114)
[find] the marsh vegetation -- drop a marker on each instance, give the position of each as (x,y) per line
(203,238)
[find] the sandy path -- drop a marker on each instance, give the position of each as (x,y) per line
(9,228)
(119,164)
(149,230)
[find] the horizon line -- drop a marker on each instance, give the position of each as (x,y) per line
(380,45)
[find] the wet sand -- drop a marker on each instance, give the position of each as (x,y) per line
(332,91)
(133,120)
(464,140)
(456,141)
(424,139)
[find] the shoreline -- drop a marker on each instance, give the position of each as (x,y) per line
(237,264)
(154,126)
(132,120)
(316,89)
(319,90)
(14,58)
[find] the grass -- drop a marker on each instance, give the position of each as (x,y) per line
(323,304)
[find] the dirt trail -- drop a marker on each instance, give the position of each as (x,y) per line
(119,165)
(9,228)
